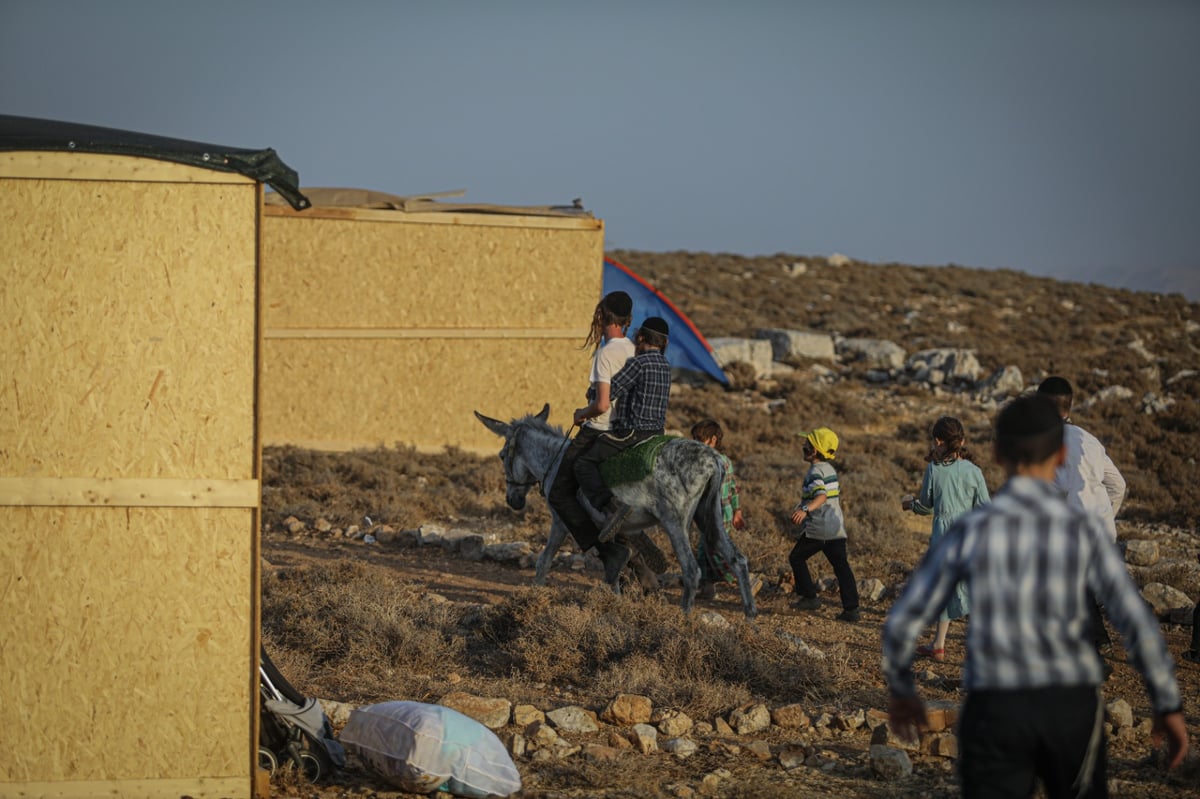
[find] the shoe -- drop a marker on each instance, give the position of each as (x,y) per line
(849,614)
(616,512)
(708,590)
(933,654)
(807,603)
(1190,656)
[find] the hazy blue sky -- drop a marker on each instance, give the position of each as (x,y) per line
(1058,138)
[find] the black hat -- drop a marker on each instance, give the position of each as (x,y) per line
(618,303)
(1055,386)
(657,324)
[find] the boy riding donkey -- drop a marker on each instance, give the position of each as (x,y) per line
(612,351)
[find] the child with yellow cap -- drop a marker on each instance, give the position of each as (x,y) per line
(822,526)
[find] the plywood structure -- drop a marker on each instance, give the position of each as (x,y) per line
(387,327)
(129,477)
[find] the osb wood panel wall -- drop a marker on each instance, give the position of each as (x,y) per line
(386,328)
(128,478)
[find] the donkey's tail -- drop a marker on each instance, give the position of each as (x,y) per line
(709,514)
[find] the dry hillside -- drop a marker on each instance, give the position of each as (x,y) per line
(357,623)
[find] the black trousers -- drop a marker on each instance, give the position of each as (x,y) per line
(835,553)
(1196,629)
(1010,739)
(587,467)
(562,494)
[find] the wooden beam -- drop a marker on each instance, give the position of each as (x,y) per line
(129,492)
(423,333)
(198,788)
(464,218)
(51,165)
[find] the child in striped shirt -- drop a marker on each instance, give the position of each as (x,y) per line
(822,527)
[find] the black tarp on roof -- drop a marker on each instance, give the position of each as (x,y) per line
(27,133)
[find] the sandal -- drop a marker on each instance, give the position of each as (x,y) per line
(933,654)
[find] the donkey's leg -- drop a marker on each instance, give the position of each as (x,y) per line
(717,540)
(558,534)
(676,529)
(710,518)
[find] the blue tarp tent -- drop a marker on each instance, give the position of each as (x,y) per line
(688,348)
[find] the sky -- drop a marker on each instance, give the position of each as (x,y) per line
(1052,137)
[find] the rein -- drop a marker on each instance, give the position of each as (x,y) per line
(542,482)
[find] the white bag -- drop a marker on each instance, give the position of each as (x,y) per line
(421,748)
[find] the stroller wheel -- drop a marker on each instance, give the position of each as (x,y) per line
(267,760)
(309,765)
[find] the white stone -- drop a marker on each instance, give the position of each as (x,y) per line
(1141,553)
(1119,714)
(756,352)
(871,589)
(573,718)
(871,353)
(750,719)
(682,748)
(787,344)
(889,763)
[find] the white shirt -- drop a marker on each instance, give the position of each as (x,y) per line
(607,361)
(1089,478)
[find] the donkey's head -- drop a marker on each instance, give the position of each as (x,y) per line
(521,473)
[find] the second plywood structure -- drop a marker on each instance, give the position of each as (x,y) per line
(385,326)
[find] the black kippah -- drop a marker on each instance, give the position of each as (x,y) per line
(657,324)
(618,303)
(1055,387)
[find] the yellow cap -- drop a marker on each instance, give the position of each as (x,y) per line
(824,441)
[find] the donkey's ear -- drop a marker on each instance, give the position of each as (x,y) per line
(495,425)
(545,414)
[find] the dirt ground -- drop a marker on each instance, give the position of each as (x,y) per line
(1133,769)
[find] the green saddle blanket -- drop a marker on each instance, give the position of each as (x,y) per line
(635,463)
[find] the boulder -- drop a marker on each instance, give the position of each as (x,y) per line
(1141,553)
(1164,598)
(954,365)
(871,353)
(573,718)
(627,710)
(889,763)
(1119,714)
(492,713)
(750,719)
(756,352)
(787,344)
(1005,382)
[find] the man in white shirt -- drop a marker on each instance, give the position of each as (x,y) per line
(1088,477)
(609,323)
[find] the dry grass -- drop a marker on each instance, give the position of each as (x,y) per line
(365,637)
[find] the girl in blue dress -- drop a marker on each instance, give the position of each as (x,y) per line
(953,485)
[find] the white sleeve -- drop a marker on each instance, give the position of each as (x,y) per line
(1114,484)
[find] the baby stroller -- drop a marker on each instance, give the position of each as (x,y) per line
(293,730)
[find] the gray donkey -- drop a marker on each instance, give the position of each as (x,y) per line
(685,484)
